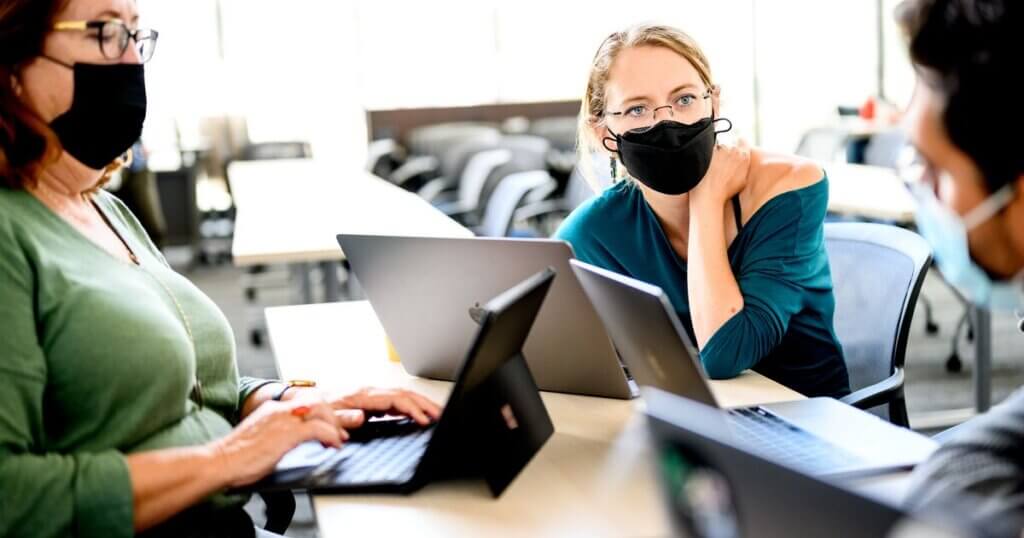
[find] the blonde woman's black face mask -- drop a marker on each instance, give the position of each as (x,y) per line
(669,157)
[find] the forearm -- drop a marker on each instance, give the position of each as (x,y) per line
(712,288)
(166,482)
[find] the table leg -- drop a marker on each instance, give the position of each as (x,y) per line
(301,272)
(982,358)
(332,288)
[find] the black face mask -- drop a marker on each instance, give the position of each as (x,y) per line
(107,110)
(670,157)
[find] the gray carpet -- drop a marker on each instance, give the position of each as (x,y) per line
(929,386)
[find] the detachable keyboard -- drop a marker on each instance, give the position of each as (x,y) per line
(781,441)
(377,453)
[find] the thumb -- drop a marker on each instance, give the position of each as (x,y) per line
(350,418)
(742,143)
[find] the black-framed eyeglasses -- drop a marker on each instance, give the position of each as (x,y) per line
(114,36)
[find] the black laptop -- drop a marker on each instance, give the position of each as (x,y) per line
(717,485)
(493,424)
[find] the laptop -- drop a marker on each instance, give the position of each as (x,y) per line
(715,485)
(493,424)
(820,435)
(420,289)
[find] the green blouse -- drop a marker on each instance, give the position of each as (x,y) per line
(778,258)
(96,362)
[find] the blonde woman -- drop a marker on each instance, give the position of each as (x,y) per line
(733,235)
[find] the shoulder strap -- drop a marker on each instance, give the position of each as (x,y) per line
(737,212)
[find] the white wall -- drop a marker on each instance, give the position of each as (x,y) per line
(308,68)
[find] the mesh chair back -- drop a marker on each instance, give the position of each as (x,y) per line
(884,148)
(877,271)
(507,197)
(824,144)
(528,153)
(560,131)
(437,139)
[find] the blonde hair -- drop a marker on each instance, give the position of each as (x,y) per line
(593,103)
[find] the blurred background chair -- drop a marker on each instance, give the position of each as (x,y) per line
(823,144)
(510,194)
(433,152)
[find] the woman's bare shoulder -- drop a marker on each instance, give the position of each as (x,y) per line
(772,174)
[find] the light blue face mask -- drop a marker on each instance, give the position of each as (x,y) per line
(946,232)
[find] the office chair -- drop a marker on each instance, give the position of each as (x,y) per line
(561,132)
(435,152)
(452,166)
(547,214)
(528,153)
(471,184)
(877,272)
(885,148)
(508,196)
(823,144)
(383,157)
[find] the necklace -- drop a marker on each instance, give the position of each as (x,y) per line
(197,387)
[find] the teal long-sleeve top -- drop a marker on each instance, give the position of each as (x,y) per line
(96,363)
(784,330)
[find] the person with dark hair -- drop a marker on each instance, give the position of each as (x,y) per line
(121,408)
(962,120)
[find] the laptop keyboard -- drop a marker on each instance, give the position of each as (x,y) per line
(780,441)
(376,453)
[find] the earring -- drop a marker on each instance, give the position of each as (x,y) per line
(613,165)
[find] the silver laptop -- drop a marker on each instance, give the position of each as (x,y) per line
(424,291)
(822,436)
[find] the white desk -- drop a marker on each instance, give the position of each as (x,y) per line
(869,192)
(590,479)
(290,211)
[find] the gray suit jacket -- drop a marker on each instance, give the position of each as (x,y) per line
(980,467)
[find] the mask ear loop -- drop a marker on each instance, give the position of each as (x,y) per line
(613,164)
(716,120)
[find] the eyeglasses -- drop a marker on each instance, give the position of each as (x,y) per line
(114,37)
(685,108)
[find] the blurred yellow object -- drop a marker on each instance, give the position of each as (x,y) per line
(392,352)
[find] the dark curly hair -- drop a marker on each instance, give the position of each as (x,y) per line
(970,52)
(26,141)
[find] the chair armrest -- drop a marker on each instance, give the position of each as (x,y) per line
(415,166)
(378,150)
(541,209)
(880,393)
(432,190)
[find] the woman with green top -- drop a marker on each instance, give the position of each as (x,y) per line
(121,408)
(733,235)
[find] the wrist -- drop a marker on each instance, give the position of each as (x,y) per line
(707,203)
(216,461)
(290,389)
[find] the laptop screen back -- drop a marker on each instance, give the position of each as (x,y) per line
(646,332)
